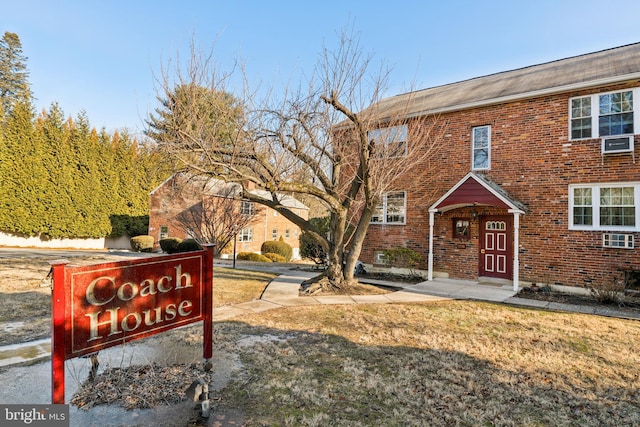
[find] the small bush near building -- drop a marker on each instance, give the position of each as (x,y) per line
(609,291)
(404,258)
(279,247)
(251,256)
(170,244)
(142,243)
(188,245)
(275,257)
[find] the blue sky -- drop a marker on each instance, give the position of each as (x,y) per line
(101,56)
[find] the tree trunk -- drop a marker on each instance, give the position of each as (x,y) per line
(335,272)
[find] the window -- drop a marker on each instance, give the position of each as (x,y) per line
(615,115)
(582,207)
(393,209)
(164,232)
(461,229)
(389,142)
(246,208)
(481,151)
(581,118)
(616,206)
(604,207)
(287,233)
(245,235)
(380,258)
(274,234)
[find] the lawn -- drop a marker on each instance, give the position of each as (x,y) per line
(458,363)
(236,286)
(447,363)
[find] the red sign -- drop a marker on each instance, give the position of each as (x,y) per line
(99,306)
(109,304)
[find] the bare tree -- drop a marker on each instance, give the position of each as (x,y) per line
(326,140)
(217,218)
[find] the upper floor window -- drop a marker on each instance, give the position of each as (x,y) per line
(614,115)
(390,141)
(392,210)
(604,207)
(246,208)
(481,147)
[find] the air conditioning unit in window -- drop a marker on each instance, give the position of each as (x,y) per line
(618,144)
(612,240)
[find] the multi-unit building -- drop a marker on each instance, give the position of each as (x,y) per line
(535,177)
(186,207)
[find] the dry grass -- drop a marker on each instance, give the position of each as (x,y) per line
(237,286)
(447,363)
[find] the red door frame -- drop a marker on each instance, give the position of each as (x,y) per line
(485,250)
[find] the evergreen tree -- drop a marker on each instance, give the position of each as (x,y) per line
(23,174)
(14,83)
(60,178)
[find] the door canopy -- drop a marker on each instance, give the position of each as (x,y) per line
(476,190)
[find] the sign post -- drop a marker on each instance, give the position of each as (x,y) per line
(58,328)
(99,306)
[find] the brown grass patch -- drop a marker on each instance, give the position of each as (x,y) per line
(237,286)
(446,363)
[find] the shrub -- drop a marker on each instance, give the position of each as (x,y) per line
(275,257)
(404,257)
(188,245)
(608,291)
(309,248)
(170,244)
(279,247)
(142,243)
(251,256)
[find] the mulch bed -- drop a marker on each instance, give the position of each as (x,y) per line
(628,303)
(145,386)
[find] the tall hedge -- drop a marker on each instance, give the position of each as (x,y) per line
(63,179)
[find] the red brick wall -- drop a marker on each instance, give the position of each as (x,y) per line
(533,160)
(166,204)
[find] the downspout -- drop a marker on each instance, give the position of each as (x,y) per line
(430,266)
(516,250)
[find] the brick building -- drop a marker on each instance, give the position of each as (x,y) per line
(180,205)
(534,178)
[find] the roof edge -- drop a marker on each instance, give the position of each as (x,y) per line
(527,95)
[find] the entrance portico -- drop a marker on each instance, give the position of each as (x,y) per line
(499,235)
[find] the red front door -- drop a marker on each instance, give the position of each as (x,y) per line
(496,242)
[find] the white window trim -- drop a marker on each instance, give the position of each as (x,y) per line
(595,198)
(473,147)
(384,209)
(246,208)
(387,142)
(595,114)
(245,235)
